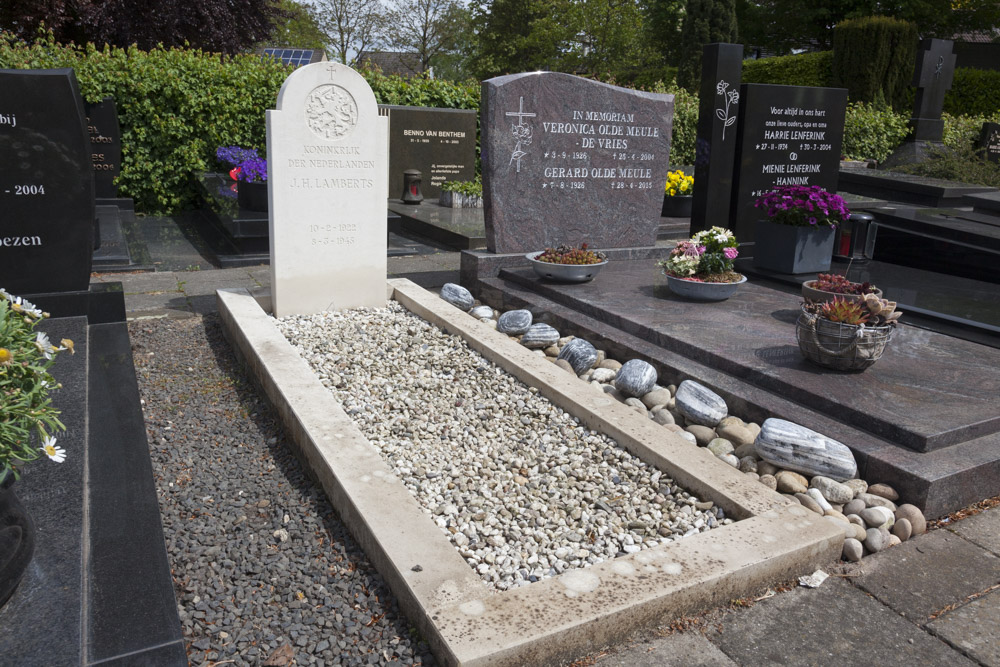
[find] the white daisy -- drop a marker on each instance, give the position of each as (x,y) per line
(44,345)
(57,454)
(20,305)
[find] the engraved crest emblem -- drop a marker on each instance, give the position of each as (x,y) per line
(331,111)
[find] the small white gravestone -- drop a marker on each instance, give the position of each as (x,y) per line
(327,173)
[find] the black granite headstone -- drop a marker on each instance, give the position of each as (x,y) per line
(46,183)
(932,78)
(715,149)
(989,141)
(105,145)
(789,135)
(568,160)
(440,143)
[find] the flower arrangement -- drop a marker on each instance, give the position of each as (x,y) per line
(803,206)
(253,170)
(26,411)
(679,183)
(707,257)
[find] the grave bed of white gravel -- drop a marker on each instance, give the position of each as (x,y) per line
(521,488)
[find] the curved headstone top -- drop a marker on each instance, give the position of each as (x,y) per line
(570,160)
(326,155)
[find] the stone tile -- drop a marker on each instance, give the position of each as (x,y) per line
(973,628)
(144,283)
(145,303)
(924,575)
(194,283)
(690,649)
(833,624)
(982,529)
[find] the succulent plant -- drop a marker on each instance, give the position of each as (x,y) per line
(838,284)
(842,310)
(873,311)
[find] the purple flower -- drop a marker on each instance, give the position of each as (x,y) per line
(253,170)
(812,221)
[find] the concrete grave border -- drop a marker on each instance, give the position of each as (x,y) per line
(555,619)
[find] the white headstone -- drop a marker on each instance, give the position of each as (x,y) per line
(327,168)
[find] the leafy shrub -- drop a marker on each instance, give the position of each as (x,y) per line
(873,58)
(805,69)
(974,92)
(957,163)
(964,131)
(871,133)
(473,188)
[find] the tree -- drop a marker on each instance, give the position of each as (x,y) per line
(663,25)
(705,22)
(300,29)
(522,35)
(428,28)
(352,25)
(613,38)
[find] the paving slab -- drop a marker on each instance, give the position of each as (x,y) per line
(142,283)
(690,649)
(926,574)
(973,628)
(835,624)
(982,529)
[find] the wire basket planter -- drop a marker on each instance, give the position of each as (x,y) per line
(842,347)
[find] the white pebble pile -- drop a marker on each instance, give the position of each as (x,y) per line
(521,488)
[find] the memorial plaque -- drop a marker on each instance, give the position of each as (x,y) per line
(568,160)
(440,143)
(989,141)
(326,153)
(105,146)
(46,183)
(789,135)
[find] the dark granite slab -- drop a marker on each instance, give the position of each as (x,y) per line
(459,228)
(984,202)
(113,252)
(907,188)
(926,392)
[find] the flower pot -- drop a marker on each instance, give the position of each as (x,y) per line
(678,206)
(810,293)
(842,347)
(701,291)
(17,539)
(564,273)
(792,249)
(451,199)
(252,196)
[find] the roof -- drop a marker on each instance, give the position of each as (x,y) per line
(401,63)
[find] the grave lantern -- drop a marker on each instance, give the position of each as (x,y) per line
(411,186)
(855,239)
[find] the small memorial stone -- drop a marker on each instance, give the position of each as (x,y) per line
(635,378)
(795,447)
(580,354)
(700,404)
(514,322)
(539,336)
(482,312)
(457,296)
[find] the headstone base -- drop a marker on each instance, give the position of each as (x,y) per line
(912,152)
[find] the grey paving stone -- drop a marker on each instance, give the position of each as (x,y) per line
(974,628)
(925,574)
(689,649)
(982,529)
(147,303)
(206,282)
(835,624)
(143,283)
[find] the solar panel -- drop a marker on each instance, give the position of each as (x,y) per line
(295,57)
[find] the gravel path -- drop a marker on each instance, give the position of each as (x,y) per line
(262,565)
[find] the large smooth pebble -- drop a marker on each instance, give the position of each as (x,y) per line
(902,529)
(769,481)
(809,502)
(603,375)
(457,296)
(738,434)
(580,354)
(720,446)
(876,517)
(514,322)
(539,336)
(635,378)
(912,513)
(656,397)
(798,448)
(699,404)
(703,434)
(820,500)
(832,490)
(856,485)
(482,312)
(871,500)
(876,539)
(791,482)
(883,490)
(663,417)
(854,507)
(852,550)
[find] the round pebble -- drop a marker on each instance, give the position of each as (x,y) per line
(457,296)
(635,378)
(514,322)
(852,550)
(918,524)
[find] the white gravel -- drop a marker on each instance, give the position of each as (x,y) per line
(520,487)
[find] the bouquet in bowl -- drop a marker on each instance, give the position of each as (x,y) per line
(706,257)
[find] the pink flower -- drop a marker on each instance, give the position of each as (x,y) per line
(730,253)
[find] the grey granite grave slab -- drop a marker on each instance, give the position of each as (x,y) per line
(569,160)
(973,628)
(984,202)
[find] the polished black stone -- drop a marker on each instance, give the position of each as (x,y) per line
(932,77)
(105,145)
(715,150)
(989,141)
(908,188)
(440,143)
(46,183)
(788,135)
(568,160)
(460,228)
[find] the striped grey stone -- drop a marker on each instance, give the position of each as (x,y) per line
(794,447)
(539,336)
(482,312)
(580,354)
(699,404)
(457,296)
(635,378)
(514,322)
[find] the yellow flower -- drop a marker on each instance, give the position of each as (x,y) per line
(67,344)
(6,356)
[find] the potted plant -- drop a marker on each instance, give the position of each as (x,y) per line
(797,234)
(846,335)
(462,194)
(677,196)
(827,286)
(231,157)
(252,184)
(567,264)
(701,268)
(27,424)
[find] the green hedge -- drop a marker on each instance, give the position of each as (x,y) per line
(873,58)
(974,92)
(805,69)
(871,133)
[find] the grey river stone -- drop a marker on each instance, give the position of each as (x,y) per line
(700,404)
(635,378)
(580,354)
(798,448)
(514,322)
(539,336)
(481,312)
(457,296)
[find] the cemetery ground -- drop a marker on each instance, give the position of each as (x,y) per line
(264,567)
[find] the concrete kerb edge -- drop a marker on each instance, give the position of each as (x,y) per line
(563,617)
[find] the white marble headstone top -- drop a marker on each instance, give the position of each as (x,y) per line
(327,159)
